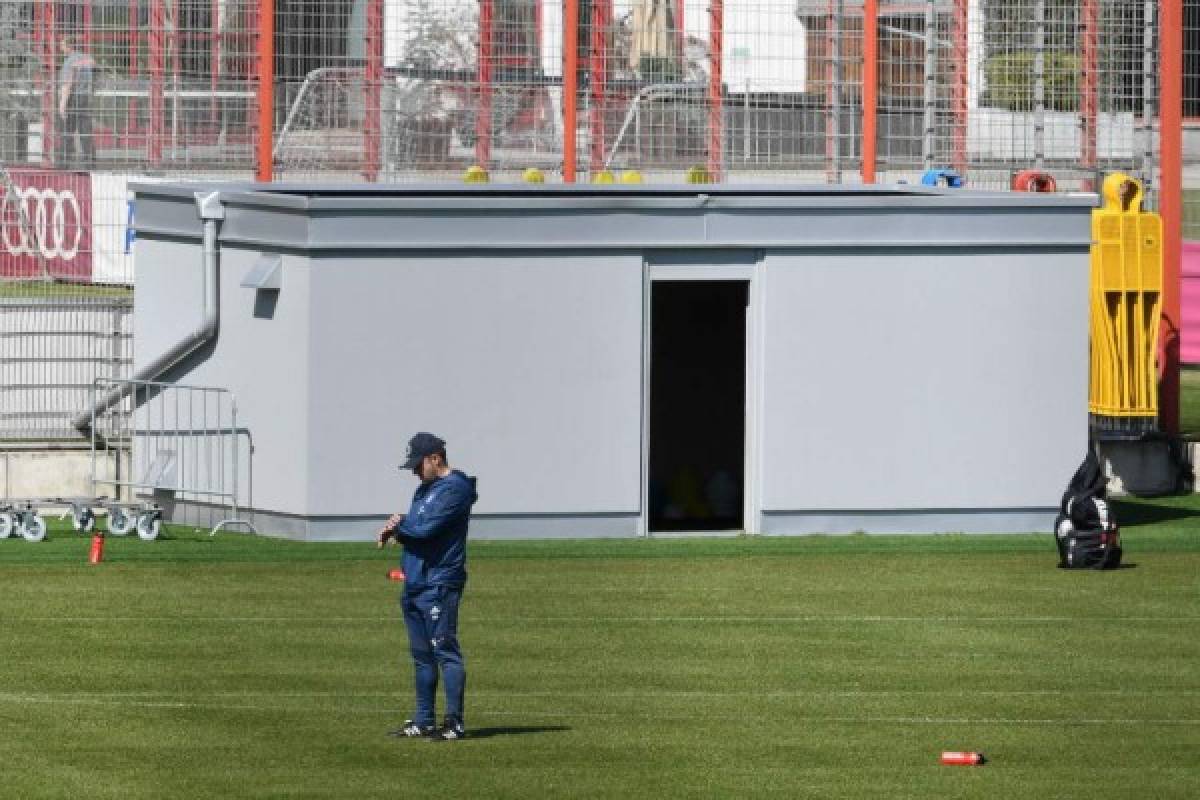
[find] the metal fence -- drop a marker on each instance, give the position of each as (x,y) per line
(187,450)
(95,95)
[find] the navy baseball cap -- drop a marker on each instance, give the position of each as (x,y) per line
(421,445)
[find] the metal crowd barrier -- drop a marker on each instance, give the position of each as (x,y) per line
(183,441)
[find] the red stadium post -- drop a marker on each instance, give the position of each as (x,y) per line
(716,110)
(959,89)
(870,88)
(214,59)
(374,91)
(47,76)
(266,92)
(679,29)
(570,86)
(601,19)
(483,120)
(86,35)
(154,144)
(175,69)
(1171,204)
(135,46)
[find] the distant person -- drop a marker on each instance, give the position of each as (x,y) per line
(76,83)
(434,536)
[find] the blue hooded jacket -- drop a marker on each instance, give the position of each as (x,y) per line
(434,532)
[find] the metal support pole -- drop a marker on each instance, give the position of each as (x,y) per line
(570,95)
(47,76)
(266,91)
(1088,104)
(1039,84)
(483,118)
(157,67)
(870,88)
(1148,110)
(716,110)
(135,46)
(930,92)
(601,19)
(373,94)
(1170,23)
(958,89)
(833,122)
(214,58)
(679,28)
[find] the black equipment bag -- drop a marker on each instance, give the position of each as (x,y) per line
(1088,549)
(1085,531)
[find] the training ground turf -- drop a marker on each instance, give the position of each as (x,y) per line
(750,667)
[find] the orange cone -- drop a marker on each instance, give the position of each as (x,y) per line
(97,552)
(396,575)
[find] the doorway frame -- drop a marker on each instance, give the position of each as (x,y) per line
(744,266)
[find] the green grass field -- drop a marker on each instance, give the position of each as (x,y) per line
(53,290)
(1189,403)
(832,667)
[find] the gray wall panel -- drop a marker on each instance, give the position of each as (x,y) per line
(912,382)
(263,361)
(169,301)
(528,364)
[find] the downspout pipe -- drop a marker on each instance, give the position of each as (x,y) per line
(210,210)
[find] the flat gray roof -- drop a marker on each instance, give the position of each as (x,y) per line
(361,217)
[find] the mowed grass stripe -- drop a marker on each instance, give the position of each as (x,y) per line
(590,620)
(828,667)
(486,712)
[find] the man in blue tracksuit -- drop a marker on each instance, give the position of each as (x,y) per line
(434,535)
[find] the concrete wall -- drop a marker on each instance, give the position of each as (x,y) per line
(45,472)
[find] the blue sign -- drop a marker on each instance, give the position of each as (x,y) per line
(130,231)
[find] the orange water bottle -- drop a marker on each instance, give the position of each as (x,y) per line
(962,759)
(96,555)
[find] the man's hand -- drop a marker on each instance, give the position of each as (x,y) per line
(388,531)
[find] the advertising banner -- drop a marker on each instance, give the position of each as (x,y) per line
(46,225)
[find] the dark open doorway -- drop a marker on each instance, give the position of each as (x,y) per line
(697,405)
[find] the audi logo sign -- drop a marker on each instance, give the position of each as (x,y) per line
(45,225)
(52,223)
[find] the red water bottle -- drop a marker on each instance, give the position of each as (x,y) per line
(962,759)
(96,555)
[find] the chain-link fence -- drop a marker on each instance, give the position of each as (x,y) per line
(97,93)
(1191,120)
(94,95)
